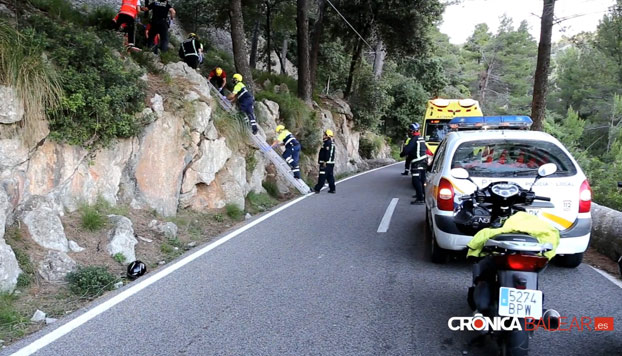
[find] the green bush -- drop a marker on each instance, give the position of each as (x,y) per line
(370,100)
(370,145)
(24,280)
(167,248)
(275,80)
(234,211)
(12,323)
(28,269)
(91,281)
(91,219)
(59,10)
(271,188)
(260,201)
(24,261)
(218,218)
(297,118)
(102,94)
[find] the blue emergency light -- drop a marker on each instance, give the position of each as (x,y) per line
(491,122)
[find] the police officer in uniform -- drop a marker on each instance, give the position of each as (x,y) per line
(326,159)
(417,149)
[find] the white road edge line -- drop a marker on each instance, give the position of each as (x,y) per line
(386,219)
(611,278)
(90,314)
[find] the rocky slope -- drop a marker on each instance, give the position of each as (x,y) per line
(179,161)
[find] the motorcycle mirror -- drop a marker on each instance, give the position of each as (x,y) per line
(543,171)
(459,173)
(547,169)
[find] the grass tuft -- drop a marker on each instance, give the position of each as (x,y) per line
(91,219)
(234,211)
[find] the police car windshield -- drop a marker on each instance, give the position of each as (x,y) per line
(436,132)
(509,158)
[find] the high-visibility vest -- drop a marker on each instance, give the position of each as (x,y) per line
(128,7)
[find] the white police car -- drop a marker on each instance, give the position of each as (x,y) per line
(501,149)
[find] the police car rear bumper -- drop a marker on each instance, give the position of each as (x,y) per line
(573,240)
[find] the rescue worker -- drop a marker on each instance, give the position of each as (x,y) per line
(245,100)
(218,78)
(326,159)
(292,148)
(126,20)
(409,158)
(191,51)
(417,149)
(160,22)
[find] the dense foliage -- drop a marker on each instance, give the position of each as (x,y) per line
(102,93)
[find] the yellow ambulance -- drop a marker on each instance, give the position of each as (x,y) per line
(438,114)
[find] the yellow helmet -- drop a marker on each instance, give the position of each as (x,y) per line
(192,34)
(219,71)
(238,77)
(329,133)
(279,128)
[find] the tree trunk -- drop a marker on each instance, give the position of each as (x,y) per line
(318,27)
(606,226)
(538,104)
(254,43)
(268,36)
(302,24)
(238,38)
(353,62)
(283,56)
(379,59)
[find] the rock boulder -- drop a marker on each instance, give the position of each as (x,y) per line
(55,266)
(121,237)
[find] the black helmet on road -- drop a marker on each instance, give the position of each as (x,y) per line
(136,269)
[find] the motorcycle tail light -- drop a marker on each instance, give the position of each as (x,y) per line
(585,197)
(445,195)
(517,262)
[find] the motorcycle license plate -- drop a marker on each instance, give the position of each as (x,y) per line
(520,303)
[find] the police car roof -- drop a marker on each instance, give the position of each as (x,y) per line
(470,135)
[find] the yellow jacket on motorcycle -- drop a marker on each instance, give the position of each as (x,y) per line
(520,222)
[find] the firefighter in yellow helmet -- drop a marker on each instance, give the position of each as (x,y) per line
(245,100)
(218,77)
(291,155)
(326,160)
(191,51)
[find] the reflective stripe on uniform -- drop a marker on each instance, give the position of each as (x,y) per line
(331,157)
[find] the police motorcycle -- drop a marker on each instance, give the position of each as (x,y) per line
(505,282)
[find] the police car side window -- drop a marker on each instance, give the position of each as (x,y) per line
(438,157)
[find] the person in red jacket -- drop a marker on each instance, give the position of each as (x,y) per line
(126,19)
(218,77)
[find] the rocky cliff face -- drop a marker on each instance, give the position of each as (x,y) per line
(176,162)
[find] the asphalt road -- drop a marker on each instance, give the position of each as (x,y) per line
(318,279)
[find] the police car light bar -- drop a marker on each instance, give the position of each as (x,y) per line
(491,122)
